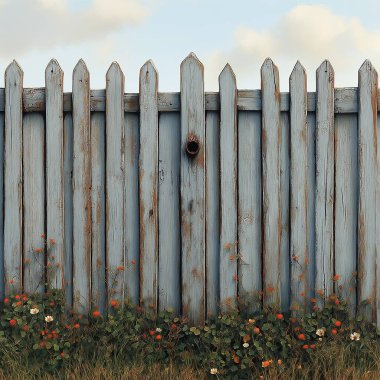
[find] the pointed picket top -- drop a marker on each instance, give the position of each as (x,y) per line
(367,67)
(15,68)
(53,68)
(148,67)
(268,64)
(192,59)
(326,67)
(114,69)
(80,67)
(227,72)
(297,69)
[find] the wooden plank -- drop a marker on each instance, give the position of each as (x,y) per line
(298,183)
(271,142)
(2,285)
(285,261)
(131,198)
(34,203)
(377,226)
(346,204)
(13,178)
(54,170)
(98,243)
(249,209)
(81,189)
(311,190)
(346,100)
(68,155)
(148,186)
(169,272)
(115,181)
(193,189)
(228,190)
(324,202)
(212,212)
(367,138)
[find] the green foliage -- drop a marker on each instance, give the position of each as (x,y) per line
(40,331)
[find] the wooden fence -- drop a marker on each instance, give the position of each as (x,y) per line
(194,201)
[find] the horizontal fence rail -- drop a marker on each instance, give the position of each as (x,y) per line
(199,202)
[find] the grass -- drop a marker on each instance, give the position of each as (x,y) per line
(332,361)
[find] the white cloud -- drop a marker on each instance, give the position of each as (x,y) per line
(310,33)
(27,25)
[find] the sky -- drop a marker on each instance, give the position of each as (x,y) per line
(240,32)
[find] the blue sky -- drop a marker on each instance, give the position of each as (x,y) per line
(240,32)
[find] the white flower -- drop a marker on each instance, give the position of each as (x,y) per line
(49,318)
(214,371)
(355,336)
(34,311)
(245,345)
(158,330)
(251,321)
(321,331)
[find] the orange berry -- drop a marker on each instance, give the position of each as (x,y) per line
(13,322)
(151,332)
(96,313)
(337,302)
(120,268)
(301,337)
(62,354)
(312,346)
(158,337)
(26,328)
(256,330)
(17,297)
(114,303)
(305,346)
(280,316)
(6,300)
(76,326)
(38,250)
(133,262)
(336,277)
(52,241)
(334,331)
(338,323)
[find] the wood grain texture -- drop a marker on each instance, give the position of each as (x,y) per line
(169,272)
(115,181)
(285,260)
(298,183)
(346,204)
(212,212)
(98,184)
(54,170)
(346,101)
(2,285)
(148,185)
(34,204)
(228,188)
(325,161)
(311,191)
(249,209)
(271,143)
(193,190)
(68,162)
(13,178)
(367,157)
(81,189)
(131,197)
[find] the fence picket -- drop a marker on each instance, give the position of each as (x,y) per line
(228,187)
(346,203)
(131,197)
(324,201)
(193,189)
(13,178)
(81,189)
(271,143)
(212,212)
(249,210)
(54,169)
(367,154)
(298,180)
(115,181)
(148,187)
(98,243)
(2,285)
(68,155)
(34,204)
(169,276)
